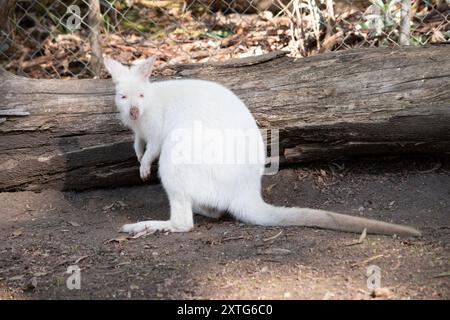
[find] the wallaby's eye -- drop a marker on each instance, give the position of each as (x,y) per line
(141,95)
(122,96)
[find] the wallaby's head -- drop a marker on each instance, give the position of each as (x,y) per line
(130,82)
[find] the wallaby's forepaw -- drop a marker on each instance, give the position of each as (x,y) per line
(139,156)
(145,171)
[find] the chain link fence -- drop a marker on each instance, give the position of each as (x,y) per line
(65,39)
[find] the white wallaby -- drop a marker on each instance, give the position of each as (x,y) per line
(162,114)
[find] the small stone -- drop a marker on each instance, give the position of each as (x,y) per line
(268,15)
(328,296)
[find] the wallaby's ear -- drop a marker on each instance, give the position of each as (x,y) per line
(114,67)
(145,67)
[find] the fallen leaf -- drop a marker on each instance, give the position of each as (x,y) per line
(279,251)
(115,205)
(119,239)
(40,274)
(124,238)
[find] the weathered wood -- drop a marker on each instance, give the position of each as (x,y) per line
(95,19)
(6,8)
(359,102)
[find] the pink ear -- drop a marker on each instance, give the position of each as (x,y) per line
(114,67)
(145,68)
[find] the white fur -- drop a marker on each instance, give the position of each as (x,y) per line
(208,189)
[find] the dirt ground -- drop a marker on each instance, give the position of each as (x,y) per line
(41,234)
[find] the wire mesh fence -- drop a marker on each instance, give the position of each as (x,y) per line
(63,39)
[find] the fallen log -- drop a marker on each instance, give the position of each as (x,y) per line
(65,134)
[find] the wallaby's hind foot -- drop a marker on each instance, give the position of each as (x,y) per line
(152,226)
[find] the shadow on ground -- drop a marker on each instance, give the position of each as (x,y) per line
(41,234)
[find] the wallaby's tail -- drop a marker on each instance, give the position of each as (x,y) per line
(269,215)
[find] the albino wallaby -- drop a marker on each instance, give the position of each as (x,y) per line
(155,111)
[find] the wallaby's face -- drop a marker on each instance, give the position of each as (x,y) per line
(130,86)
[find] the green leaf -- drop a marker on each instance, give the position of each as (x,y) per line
(218,34)
(443,274)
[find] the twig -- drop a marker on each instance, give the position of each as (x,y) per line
(437,166)
(273,237)
(233,238)
(74,262)
(297,35)
(330,18)
(95,19)
(361,239)
(154,3)
(299,22)
(367,260)
(284,7)
(405,23)
(315,20)
(442,275)
(81,259)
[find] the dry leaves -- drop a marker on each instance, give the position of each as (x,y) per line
(196,34)
(125,237)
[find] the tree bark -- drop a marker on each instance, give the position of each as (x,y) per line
(65,134)
(6,9)
(95,24)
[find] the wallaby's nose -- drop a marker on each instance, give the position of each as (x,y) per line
(134,113)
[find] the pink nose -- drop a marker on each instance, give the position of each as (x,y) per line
(134,113)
